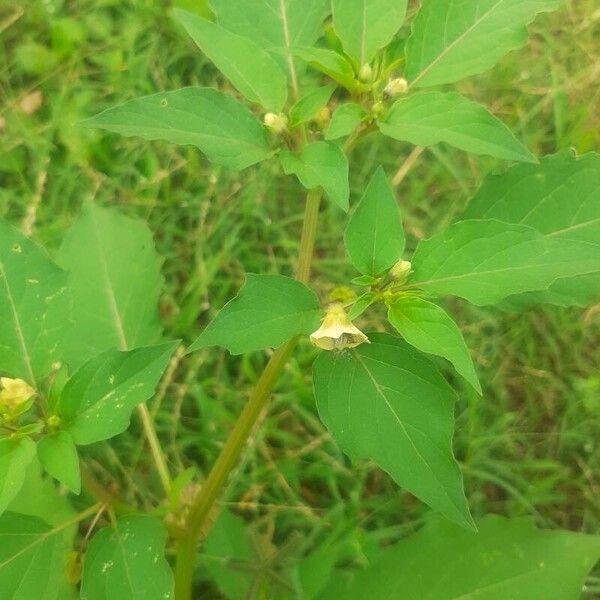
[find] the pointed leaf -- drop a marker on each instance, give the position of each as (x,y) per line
(429,118)
(220,126)
(484,261)
(386,402)
(330,63)
(32,558)
(34,306)
(321,164)
(366,26)
(506,559)
(275,25)
(127,561)
(345,119)
(560,198)
(250,69)
(374,237)
(268,311)
(453,39)
(96,403)
(15,456)
(115,283)
(307,107)
(58,455)
(427,327)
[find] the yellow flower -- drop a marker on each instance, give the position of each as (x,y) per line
(337,331)
(14,392)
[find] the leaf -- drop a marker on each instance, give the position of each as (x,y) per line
(220,126)
(320,164)
(275,25)
(58,456)
(430,118)
(366,26)
(427,327)
(227,554)
(374,237)
(330,63)
(484,261)
(309,105)
(268,311)
(386,402)
(453,39)
(115,283)
(560,198)
(126,561)
(361,304)
(506,559)
(34,305)
(15,456)
(32,558)
(97,401)
(251,70)
(345,119)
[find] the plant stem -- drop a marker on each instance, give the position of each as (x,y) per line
(204,503)
(155,448)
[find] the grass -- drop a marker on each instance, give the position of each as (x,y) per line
(529,447)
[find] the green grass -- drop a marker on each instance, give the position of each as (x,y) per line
(531,446)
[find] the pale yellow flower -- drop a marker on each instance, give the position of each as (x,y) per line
(396,87)
(14,392)
(337,331)
(277,123)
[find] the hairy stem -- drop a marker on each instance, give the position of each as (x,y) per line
(202,508)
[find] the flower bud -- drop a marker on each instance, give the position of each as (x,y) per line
(323,117)
(337,331)
(400,271)
(395,87)
(277,123)
(14,393)
(365,74)
(378,108)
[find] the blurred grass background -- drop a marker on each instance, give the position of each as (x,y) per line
(531,446)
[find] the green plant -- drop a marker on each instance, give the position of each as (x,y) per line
(81,339)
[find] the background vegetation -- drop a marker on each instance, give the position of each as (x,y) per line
(531,446)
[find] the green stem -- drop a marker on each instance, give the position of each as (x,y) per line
(202,508)
(155,448)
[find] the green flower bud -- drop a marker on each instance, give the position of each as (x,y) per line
(365,74)
(400,271)
(277,123)
(395,87)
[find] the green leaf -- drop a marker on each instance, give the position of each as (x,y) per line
(386,402)
(225,130)
(229,556)
(484,261)
(366,26)
(560,198)
(268,311)
(250,69)
(32,558)
(505,560)
(430,118)
(58,456)
(428,328)
(115,283)
(34,306)
(15,456)
(453,39)
(345,119)
(361,304)
(275,25)
(330,63)
(321,164)
(374,237)
(307,107)
(126,561)
(97,401)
